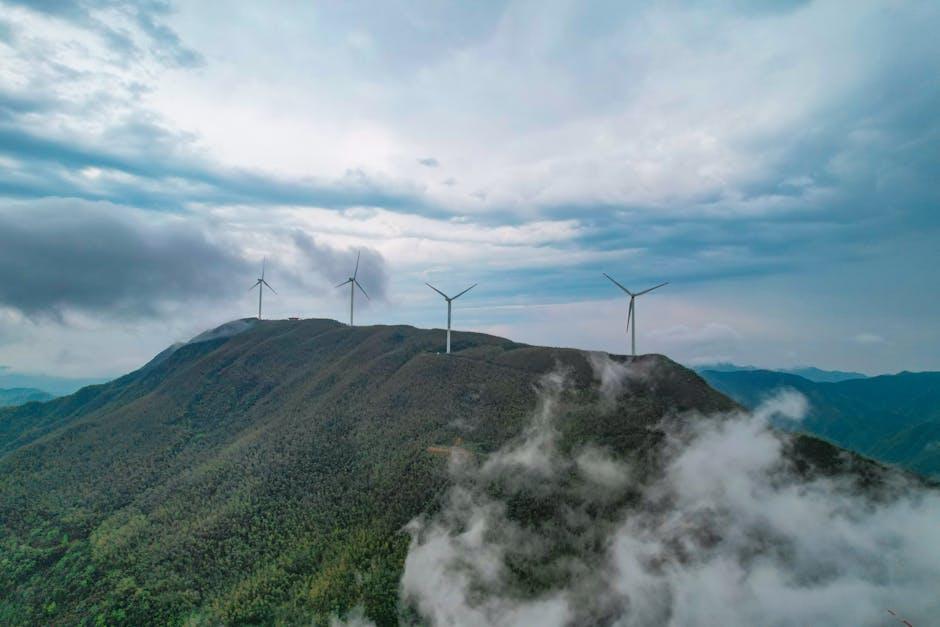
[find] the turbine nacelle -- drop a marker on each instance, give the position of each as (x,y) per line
(451,298)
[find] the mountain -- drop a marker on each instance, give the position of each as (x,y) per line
(722,366)
(266,475)
(56,386)
(891,418)
(807,372)
(18,396)
(824,376)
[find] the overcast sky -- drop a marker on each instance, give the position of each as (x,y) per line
(776,162)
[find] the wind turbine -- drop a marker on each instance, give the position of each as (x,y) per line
(631,311)
(261,284)
(450,300)
(353,284)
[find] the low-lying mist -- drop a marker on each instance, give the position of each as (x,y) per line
(726,532)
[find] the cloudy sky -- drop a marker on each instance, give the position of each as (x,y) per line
(776,162)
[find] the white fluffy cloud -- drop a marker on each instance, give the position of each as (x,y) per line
(729,534)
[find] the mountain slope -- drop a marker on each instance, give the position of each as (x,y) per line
(892,418)
(266,476)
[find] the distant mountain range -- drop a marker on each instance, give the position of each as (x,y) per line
(807,372)
(56,386)
(263,474)
(891,418)
(18,396)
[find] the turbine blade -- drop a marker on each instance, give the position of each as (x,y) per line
(438,291)
(652,288)
(356,283)
(263,261)
(630,315)
(255,285)
(344,282)
(356,271)
(268,286)
(465,291)
(614,281)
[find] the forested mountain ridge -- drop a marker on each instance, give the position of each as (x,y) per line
(19,396)
(266,476)
(892,418)
(807,372)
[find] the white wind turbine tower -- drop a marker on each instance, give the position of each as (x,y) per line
(631,311)
(450,299)
(353,284)
(261,284)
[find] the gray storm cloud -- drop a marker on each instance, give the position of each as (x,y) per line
(727,534)
(72,255)
(332,265)
(58,254)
